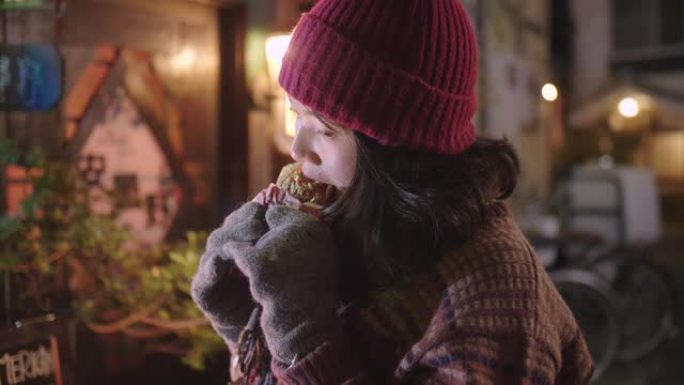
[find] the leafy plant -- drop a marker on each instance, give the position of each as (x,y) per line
(62,254)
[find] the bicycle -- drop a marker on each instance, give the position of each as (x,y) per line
(622,302)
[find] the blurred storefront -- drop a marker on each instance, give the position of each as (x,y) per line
(626,102)
(126,119)
(170,114)
(620,169)
(174,68)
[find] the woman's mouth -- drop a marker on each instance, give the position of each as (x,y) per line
(306,171)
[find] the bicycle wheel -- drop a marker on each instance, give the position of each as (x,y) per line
(591,300)
(646,304)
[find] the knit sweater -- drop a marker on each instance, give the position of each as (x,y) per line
(486,314)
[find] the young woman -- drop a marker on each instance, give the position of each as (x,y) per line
(417,274)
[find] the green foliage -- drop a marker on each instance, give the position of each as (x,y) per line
(115,283)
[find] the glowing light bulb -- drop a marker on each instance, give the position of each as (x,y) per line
(184,60)
(549,92)
(276,46)
(628,107)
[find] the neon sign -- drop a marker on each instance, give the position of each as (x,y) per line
(30,77)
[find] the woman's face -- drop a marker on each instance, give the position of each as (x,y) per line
(327,152)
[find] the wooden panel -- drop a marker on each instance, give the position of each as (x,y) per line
(70,130)
(145,25)
(233,137)
(35,26)
(106,53)
(79,98)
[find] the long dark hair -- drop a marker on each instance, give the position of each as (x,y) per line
(404,208)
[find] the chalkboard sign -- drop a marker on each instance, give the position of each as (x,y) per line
(35,363)
(30,77)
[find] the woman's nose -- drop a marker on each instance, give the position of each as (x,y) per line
(301,150)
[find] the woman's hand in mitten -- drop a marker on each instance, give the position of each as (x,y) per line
(292,271)
(218,288)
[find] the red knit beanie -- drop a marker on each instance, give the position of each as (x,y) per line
(400,71)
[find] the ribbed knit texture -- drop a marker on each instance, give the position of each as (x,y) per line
(334,362)
(488,314)
(400,71)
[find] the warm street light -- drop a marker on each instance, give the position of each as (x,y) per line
(549,92)
(276,46)
(628,107)
(183,61)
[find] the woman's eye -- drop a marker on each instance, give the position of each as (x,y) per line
(326,133)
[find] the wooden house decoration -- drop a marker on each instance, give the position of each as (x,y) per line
(123,134)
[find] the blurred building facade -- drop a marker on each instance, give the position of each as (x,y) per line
(180,62)
(629,53)
(514,37)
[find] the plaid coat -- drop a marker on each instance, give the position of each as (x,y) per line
(487,313)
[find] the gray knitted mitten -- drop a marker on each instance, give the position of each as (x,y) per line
(292,271)
(218,288)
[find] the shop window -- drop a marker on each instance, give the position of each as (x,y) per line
(648,30)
